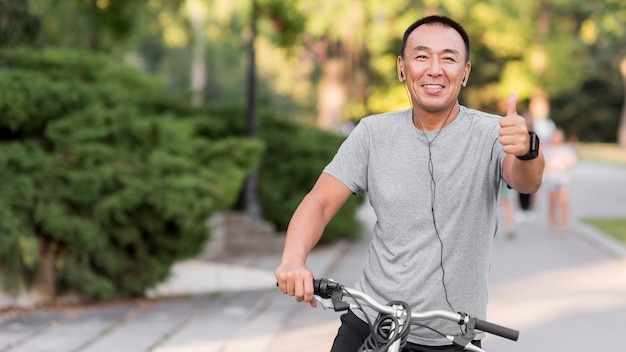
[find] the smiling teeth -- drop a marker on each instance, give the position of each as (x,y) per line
(433,86)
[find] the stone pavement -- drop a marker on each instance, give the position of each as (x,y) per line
(563,294)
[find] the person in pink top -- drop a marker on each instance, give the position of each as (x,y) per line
(560,160)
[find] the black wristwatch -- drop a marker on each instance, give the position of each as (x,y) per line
(534,147)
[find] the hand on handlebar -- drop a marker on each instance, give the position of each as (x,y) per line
(296,280)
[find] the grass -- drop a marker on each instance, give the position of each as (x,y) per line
(615,227)
(601,152)
(611,154)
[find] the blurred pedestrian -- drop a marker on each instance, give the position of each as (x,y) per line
(560,159)
(507,210)
(527,201)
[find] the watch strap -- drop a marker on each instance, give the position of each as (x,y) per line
(533,151)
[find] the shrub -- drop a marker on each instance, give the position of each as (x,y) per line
(295,156)
(104,184)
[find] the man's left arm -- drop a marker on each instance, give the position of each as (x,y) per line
(524,163)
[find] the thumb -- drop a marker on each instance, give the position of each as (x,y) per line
(511,105)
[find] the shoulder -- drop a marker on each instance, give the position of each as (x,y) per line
(385,118)
(480,116)
(385,123)
(479,120)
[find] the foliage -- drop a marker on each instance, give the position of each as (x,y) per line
(286,20)
(590,115)
(17,25)
(295,156)
(104,175)
(558,47)
(98,25)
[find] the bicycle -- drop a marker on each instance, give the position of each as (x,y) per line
(390,330)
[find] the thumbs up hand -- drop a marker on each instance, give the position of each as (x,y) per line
(513,130)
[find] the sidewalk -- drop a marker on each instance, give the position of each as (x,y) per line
(563,294)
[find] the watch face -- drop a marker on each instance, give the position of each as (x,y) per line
(534,142)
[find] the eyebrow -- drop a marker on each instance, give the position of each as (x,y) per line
(425,48)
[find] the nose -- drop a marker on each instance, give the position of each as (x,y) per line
(434,68)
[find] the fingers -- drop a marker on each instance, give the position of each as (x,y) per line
(513,129)
(308,290)
(296,282)
(511,105)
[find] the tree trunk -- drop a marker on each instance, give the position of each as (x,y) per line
(197,17)
(331,95)
(621,131)
(539,105)
(94,39)
(46,282)
(252,204)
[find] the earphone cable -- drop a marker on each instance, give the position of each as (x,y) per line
(433,187)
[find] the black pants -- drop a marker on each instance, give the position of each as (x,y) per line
(524,201)
(353,332)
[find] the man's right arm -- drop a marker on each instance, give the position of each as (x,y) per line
(304,231)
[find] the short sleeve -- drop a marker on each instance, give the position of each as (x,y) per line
(350,163)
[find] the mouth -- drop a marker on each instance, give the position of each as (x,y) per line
(433,88)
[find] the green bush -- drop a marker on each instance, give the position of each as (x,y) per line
(105,181)
(295,156)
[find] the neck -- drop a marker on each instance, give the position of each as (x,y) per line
(429,122)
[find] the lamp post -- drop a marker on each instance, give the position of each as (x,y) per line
(251,202)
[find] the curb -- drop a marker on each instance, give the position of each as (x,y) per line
(193,277)
(600,240)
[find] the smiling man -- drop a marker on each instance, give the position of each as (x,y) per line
(432,174)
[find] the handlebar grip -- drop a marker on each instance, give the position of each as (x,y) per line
(325,287)
(316,287)
(497,329)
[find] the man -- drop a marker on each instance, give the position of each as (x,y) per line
(432,174)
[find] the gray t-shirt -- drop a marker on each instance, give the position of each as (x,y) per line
(390,159)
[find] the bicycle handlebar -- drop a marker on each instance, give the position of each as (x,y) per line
(326,288)
(496,329)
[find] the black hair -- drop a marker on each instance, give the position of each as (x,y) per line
(444,21)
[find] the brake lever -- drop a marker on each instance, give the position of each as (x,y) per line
(466,339)
(335,302)
(326,303)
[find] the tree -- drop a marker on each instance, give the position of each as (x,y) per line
(97,25)
(196,11)
(604,33)
(353,45)
(18,26)
(621,136)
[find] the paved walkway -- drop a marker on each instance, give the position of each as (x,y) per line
(564,294)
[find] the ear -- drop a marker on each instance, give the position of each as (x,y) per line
(400,68)
(468,69)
